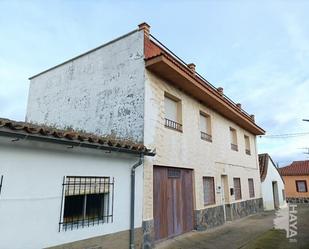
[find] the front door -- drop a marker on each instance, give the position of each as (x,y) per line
(172,201)
(275,195)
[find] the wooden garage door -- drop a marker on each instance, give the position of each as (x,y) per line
(173,201)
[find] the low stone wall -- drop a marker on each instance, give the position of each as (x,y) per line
(244,208)
(297,200)
(148,234)
(118,240)
(209,218)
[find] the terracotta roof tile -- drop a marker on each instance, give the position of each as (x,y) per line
(24,128)
(296,168)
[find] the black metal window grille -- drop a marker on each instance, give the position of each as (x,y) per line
(86,201)
(1,180)
(172,124)
(206,136)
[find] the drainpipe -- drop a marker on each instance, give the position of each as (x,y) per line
(132,210)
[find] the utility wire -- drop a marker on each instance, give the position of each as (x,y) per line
(287,135)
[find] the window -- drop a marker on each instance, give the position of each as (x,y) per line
(247,145)
(87,201)
(233,138)
(251,187)
(173,173)
(172,112)
(1,180)
(209,190)
(205,127)
(301,186)
(237,188)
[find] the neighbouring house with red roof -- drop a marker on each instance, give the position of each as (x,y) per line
(296,179)
(272,184)
(204,171)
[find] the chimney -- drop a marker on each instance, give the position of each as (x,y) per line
(238,105)
(191,66)
(252,117)
(220,90)
(145,27)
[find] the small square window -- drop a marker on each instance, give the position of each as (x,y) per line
(301,186)
(87,201)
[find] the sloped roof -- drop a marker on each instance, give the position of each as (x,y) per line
(30,131)
(263,163)
(296,168)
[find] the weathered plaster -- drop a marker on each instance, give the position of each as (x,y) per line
(186,149)
(100,92)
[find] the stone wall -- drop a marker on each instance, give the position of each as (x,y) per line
(297,200)
(244,208)
(209,218)
(120,240)
(148,234)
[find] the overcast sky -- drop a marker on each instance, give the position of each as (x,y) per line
(258,51)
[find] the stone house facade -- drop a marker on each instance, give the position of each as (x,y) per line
(205,171)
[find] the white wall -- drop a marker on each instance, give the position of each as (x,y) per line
(30,199)
(100,92)
(187,149)
(267,189)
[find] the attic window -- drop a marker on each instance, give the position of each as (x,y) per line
(88,200)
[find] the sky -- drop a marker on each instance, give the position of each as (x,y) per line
(258,51)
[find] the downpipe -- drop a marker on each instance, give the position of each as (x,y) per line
(132,209)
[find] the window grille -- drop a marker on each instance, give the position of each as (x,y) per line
(173,173)
(86,201)
(209,190)
(1,180)
(251,187)
(237,188)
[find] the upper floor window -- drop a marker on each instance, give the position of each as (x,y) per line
(251,188)
(205,127)
(87,201)
(247,145)
(237,188)
(1,180)
(172,107)
(209,190)
(301,186)
(233,137)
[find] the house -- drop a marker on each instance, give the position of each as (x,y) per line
(296,179)
(272,184)
(62,186)
(205,171)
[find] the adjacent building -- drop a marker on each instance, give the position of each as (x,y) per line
(205,170)
(62,186)
(272,184)
(296,179)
